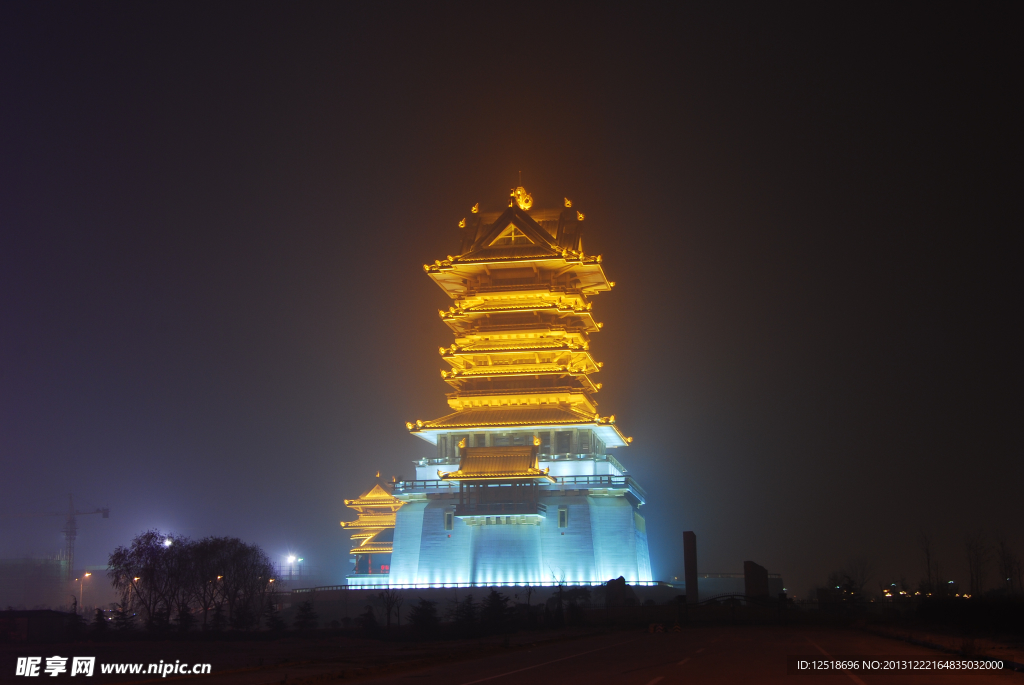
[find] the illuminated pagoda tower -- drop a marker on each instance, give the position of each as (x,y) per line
(373,530)
(523,487)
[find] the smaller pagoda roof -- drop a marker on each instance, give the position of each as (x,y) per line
(376,497)
(497,463)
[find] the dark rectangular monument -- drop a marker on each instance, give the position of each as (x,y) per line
(755,580)
(690,565)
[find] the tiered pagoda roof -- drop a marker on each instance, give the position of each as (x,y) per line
(522,320)
(497,463)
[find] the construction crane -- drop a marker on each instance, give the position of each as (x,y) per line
(70,529)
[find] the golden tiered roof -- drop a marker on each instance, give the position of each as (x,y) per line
(376,498)
(377,509)
(522,318)
(497,463)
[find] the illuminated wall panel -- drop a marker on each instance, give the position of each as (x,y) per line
(614,538)
(506,554)
(444,559)
(405,558)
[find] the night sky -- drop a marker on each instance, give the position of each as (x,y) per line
(214,318)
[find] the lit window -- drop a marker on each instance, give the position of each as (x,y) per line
(563,442)
(584,441)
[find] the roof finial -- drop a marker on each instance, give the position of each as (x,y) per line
(522,198)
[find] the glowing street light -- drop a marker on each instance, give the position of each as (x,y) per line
(131,586)
(81,589)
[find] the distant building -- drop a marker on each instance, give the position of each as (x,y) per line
(524,487)
(38,625)
(755,580)
(33,583)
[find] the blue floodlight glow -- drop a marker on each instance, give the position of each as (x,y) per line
(604,539)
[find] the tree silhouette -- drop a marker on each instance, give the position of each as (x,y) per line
(367,620)
(275,623)
(124,621)
(99,624)
(424,616)
(305,617)
(495,614)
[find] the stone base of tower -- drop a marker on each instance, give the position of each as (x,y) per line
(581,536)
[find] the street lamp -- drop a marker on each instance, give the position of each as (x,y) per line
(130,587)
(81,589)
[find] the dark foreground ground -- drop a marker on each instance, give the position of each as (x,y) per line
(718,654)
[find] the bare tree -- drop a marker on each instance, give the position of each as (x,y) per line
(391,599)
(926,547)
(859,571)
(146,573)
(1009,565)
(208,574)
(161,574)
(978,554)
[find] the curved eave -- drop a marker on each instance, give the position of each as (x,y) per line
(371,524)
(528,347)
(456,476)
(463,322)
(519,370)
(448,275)
(566,258)
(587,385)
(372,549)
(582,361)
(359,504)
(524,308)
(609,433)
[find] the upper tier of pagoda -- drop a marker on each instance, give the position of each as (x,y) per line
(522,320)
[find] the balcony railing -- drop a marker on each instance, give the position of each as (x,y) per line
(561,483)
(592,482)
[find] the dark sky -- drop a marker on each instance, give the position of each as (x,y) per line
(214,320)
